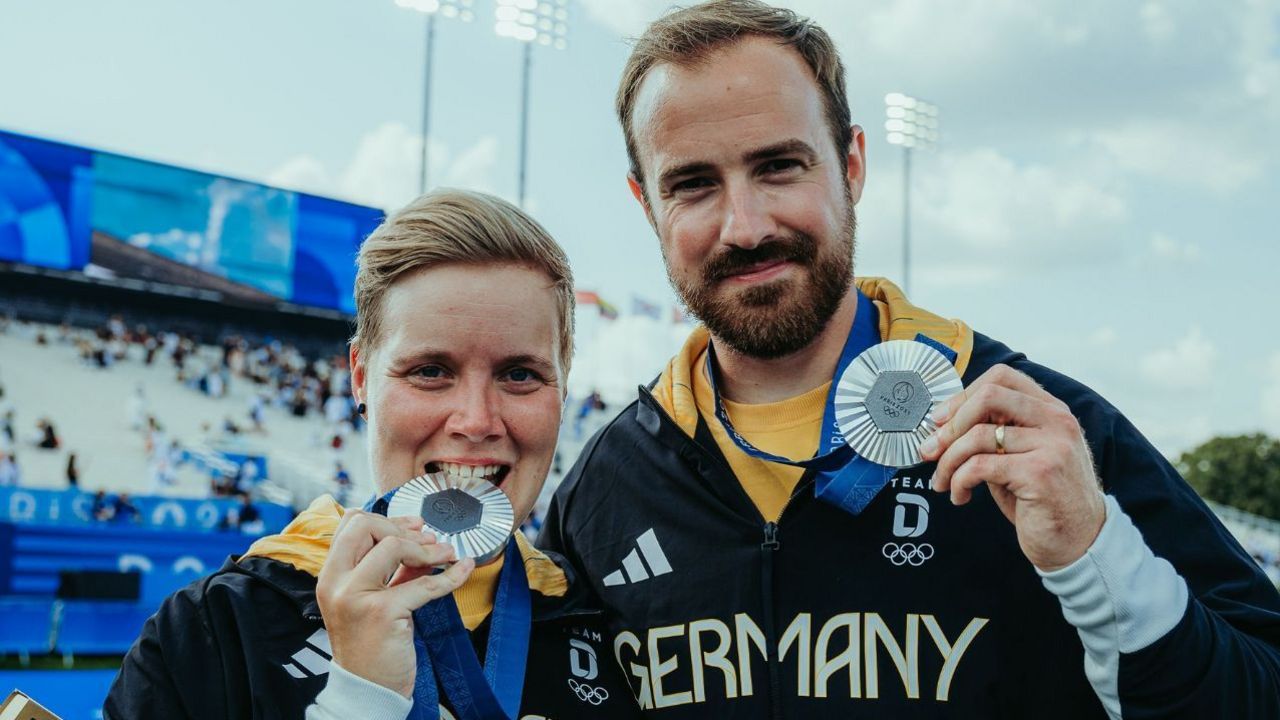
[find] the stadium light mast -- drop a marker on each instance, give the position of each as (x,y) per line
(460,9)
(912,123)
(545,22)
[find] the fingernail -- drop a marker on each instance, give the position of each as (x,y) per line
(941,414)
(929,446)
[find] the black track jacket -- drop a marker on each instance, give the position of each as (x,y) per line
(913,608)
(249,642)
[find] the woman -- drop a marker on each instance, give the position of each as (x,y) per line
(464,327)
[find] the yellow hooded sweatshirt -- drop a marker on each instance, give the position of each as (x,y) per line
(789,427)
(304,544)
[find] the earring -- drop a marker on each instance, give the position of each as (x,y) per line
(360,408)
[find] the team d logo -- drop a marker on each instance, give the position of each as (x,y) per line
(910,516)
(910,520)
(582,660)
(584,666)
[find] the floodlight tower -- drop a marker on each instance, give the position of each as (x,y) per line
(545,22)
(460,9)
(912,123)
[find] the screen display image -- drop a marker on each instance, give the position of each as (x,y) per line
(111,216)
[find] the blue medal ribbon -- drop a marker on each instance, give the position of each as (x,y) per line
(842,477)
(447,661)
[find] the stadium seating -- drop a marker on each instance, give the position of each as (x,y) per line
(31,556)
(26,626)
(175,543)
(98,627)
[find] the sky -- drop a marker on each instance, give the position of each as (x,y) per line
(1104,196)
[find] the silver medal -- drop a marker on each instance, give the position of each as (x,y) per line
(471,514)
(885,399)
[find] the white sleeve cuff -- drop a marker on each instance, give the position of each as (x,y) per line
(1120,597)
(348,696)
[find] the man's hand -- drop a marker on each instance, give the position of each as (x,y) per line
(1044,482)
(377,573)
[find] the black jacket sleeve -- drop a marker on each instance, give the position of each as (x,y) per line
(173,669)
(1220,656)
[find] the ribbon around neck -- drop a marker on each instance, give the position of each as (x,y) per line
(842,477)
(446,659)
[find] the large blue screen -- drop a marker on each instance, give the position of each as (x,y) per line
(70,208)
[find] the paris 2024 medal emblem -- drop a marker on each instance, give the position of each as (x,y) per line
(885,399)
(471,514)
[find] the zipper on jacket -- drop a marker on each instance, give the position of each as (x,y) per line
(767,548)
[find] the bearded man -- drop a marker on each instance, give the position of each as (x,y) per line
(1044,561)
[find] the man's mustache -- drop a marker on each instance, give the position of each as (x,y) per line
(735,260)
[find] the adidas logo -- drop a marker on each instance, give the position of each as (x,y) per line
(633,568)
(313,659)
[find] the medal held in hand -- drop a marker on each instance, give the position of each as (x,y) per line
(884,400)
(471,514)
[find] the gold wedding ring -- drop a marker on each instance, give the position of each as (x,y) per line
(999,439)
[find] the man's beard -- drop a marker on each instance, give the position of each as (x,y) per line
(777,318)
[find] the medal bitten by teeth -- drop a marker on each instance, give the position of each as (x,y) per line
(469,513)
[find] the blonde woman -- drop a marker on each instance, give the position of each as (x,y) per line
(464,336)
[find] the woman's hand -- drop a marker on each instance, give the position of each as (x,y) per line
(377,573)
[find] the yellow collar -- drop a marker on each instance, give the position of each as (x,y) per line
(305,542)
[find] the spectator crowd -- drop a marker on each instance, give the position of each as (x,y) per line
(279,374)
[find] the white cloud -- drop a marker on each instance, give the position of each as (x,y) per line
(629,18)
(1188,365)
(385,169)
(474,166)
(1103,336)
(984,216)
(1184,152)
(302,172)
(1257,50)
(1167,248)
(1157,24)
(1175,433)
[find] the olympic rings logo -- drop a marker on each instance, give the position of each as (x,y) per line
(587,693)
(907,553)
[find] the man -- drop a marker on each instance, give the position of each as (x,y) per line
(123,509)
(1039,587)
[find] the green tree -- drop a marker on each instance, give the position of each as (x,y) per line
(1242,471)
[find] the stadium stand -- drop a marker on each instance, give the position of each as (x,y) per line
(91,411)
(181,524)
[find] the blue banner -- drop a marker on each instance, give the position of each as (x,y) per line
(72,508)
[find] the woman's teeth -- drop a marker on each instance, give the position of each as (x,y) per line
(488,472)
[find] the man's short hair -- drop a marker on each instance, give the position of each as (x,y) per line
(450,226)
(686,36)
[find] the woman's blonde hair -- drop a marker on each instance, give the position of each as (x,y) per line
(449,226)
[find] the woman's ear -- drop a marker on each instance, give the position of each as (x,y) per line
(356,360)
